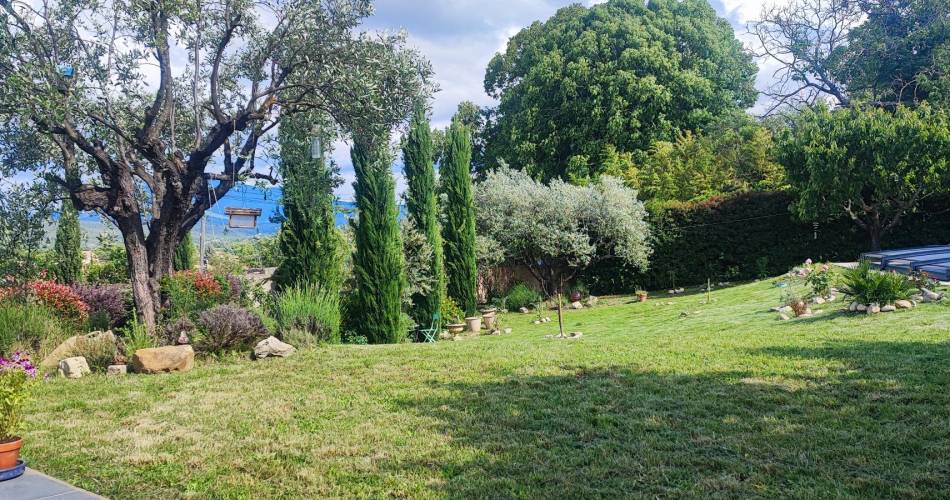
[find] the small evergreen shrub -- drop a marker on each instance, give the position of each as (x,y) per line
(308,310)
(521,295)
(228,328)
(866,285)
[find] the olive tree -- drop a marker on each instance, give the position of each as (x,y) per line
(157,107)
(558,230)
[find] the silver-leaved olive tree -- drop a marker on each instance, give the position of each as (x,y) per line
(155,108)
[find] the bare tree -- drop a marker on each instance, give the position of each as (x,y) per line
(158,106)
(807,40)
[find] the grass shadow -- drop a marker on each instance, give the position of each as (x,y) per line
(847,424)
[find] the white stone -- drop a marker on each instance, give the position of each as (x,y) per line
(853,306)
(888,308)
(524,310)
(117,370)
(507,330)
(577,305)
(904,304)
(930,296)
(819,300)
(861,308)
(74,367)
(874,308)
(272,346)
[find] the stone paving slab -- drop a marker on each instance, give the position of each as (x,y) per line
(34,485)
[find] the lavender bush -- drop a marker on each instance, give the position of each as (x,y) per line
(228,328)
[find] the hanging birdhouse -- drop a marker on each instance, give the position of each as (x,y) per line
(242,218)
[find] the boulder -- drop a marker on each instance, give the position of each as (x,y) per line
(272,346)
(524,310)
(74,367)
(577,305)
(67,349)
(173,358)
(117,370)
(904,304)
(874,308)
(861,308)
(888,308)
(930,296)
(853,306)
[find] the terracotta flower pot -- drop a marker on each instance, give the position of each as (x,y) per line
(474,323)
(10,452)
(488,318)
(455,328)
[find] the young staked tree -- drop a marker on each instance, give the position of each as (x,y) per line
(137,144)
(68,256)
(378,261)
(422,210)
(459,229)
(309,241)
(185,254)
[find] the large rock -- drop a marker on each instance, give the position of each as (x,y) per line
(888,308)
(173,358)
(69,347)
(929,296)
(272,346)
(904,304)
(577,305)
(74,367)
(115,370)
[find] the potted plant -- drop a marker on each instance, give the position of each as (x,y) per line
(642,295)
(15,375)
(453,316)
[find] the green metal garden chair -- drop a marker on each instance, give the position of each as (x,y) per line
(431,333)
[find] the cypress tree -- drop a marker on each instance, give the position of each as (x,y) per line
(459,230)
(309,241)
(378,261)
(185,254)
(68,257)
(422,209)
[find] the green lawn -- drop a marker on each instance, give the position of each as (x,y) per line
(725,401)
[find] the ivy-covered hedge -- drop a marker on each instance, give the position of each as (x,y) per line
(749,236)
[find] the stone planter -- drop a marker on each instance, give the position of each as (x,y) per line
(455,328)
(489,317)
(474,324)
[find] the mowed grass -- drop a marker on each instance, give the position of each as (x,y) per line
(724,401)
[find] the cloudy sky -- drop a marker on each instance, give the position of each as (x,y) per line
(460,36)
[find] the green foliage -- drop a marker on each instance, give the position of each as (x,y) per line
(26,327)
(259,251)
(522,295)
(186,256)
(187,293)
(459,224)
(451,312)
(308,314)
(68,260)
(15,377)
(820,279)
(558,230)
(616,76)
(135,336)
(868,163)
(99,352)
(309,241)
(422,209)
(866,285)
(24,212)
(378,260)
(110,264)
(749,236)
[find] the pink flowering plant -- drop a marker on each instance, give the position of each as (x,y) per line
(819,278)
(16,373)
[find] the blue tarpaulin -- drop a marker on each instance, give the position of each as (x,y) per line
(933,260)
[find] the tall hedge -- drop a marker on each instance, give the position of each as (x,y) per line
(459,229)
(68,255)
(423,210)
(309,242)
(378,261)
(750,236)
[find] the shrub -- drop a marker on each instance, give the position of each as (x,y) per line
(99,352)
(135,336)
(28,326)
(819,278)
(866,285)
(521,295)
(228,328)
(309,310)
(108,301)
(173,331)
(60,299)
(451,312)
(15,374)
(186,293)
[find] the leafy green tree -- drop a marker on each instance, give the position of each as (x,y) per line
(185,254)
(423,211)
(309,240)
(459,225)
(621,74)
(24,213)
(67,248)
(378,261)
(870,164)
(225,75)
